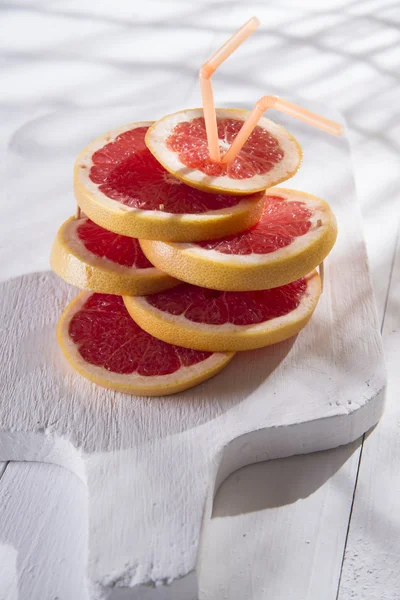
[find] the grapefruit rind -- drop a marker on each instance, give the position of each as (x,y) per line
(234,272)
(228,337)
(154,224)
(161,385)
(71,261)
(160,130)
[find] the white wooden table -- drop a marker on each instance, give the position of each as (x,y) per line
(315,527)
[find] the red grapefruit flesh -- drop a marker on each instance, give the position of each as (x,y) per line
(295,234)
(92,258)
(122,187)
(104,344)
(278,227)
(126,171)
(269,156)
(118,249)
(212,320)
(201,305)
(258,156)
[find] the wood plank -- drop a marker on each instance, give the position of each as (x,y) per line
(371,565)
(43,533)
(3,466)
(278,529)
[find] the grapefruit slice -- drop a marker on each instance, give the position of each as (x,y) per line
(121,186)
(179,142)
(103,343)
(294,235)
(213,321)
(92,258)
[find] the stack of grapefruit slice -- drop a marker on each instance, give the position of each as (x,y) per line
(183,261)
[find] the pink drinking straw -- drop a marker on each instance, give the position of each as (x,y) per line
(207,70)
(283,106)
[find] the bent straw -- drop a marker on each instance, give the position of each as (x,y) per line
(283,106)
(205,73)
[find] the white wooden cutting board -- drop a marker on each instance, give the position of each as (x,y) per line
(152,465)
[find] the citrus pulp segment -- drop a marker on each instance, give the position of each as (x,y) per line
(94,259)
(103,343)
(208,320)
(121,186)
(179,142)
(295,234)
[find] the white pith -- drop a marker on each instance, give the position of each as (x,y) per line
(163,128)
(85,163)
(304,308)
(320,220)
(144,382)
